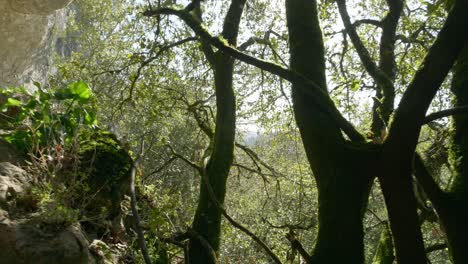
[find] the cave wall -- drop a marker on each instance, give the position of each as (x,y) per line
(28,31)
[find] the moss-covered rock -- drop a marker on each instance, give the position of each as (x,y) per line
(106,167)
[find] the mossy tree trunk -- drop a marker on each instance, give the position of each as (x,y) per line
(207,220)
(341,173)
(455,219)
(452,204)
(399,147)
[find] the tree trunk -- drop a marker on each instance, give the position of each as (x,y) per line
(454,215)
(399,147)
(207,220)
(341,174)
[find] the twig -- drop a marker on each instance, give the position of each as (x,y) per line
(296,244)
(136,216)
(238,225)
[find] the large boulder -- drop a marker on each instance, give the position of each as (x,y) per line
(23,241)
(24,237)
(105,166)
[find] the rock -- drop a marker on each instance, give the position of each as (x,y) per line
(13,183)
(26,31)
(107,166)
(38,7)
(23,242)
(8,153)
(108,254)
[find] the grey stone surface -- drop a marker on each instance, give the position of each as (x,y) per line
(26,37)
(22,242)
(24,239)
(38,7)
(13,182)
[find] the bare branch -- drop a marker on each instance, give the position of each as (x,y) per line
(460,110)
(323,101)
(165,164)
(184,159)
(356,24)
(435,247)
(296,244)
(371,67)
(136,216)
(254,156)
(148,61)
(192,5)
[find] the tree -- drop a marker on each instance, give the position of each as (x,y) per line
(398,147)
(344,160)
(207,221)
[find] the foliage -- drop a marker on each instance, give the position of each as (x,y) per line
(147,91)
(47,117)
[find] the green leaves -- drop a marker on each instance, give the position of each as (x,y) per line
(12,102)
(52,116)
(78,91)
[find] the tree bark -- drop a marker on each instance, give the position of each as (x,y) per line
(340,172)
(207,220)
(398,149)
(454,214)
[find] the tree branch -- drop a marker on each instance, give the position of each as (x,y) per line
(296,244)
(371,67)
(430,187)
(151,59)
(190,163)
(136,216)
(356,24)
(205,244)
(460,110)
(192,5)
(236,224)
(435,247)
(165,164)
(400,144)
(323,101)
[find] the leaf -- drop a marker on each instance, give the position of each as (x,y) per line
(20,138)
(13,102)
(90,118)
(80,90)
(63,94)
(355,85)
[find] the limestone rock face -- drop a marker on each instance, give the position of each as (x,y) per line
(27,34)
(38,7)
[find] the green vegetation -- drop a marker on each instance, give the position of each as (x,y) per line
(292,131)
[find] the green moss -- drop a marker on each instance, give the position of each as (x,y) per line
(384,254)
(106,166)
